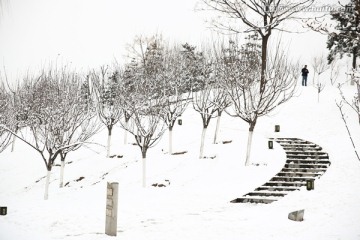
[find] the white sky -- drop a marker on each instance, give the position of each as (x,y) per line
(90,33)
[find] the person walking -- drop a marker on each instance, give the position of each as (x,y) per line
(304,73)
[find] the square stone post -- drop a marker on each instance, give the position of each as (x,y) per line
(111,208)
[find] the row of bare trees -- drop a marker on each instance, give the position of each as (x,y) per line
(59,110)
(51,114)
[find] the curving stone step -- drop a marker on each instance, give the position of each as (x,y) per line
(290,179)
(298,174)
(304,170)
(305,152)
(308,161)
(306,165)
(276,188)
(285,184)
(253,200)
(307,156)
(301,148)
(304,161)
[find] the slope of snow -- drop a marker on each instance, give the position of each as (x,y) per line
(196,204)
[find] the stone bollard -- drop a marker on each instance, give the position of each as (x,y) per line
(3,211)
(297,216)
(277,128)
(111,208)
(310,184)
(270,144)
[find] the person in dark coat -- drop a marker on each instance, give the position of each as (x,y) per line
(304,73)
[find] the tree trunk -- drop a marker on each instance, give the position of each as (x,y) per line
(217,127)
(249,143)
(264,42)
(125,131)
(144,168)
(14,138)
(170,140)
(352,82)
(46,195)
(202,143)
(108,143)
(248,149)
(313,80)
(62,171)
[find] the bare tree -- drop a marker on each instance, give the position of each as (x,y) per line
(40,123)
(13,100)
(319,65)
(78,121)
(343,116)
(241,81)
(173,109)
(354,103)
(221,97)
(204,97)
(204,103)
(175,89)
(261,16)
(127,78)
(4,117)
(149,124)
(108,100)
(48,102)
(147,99)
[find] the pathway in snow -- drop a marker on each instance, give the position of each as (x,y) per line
(304,161)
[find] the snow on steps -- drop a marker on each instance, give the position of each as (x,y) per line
(304,160)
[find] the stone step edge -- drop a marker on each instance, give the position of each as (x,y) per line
(306,153)
(284,193)
(312,173)
(315,169)
(308,164)
(285,188)
(261,200)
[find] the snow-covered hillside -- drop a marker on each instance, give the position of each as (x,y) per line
(196,204)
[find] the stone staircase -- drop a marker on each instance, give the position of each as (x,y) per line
(304,161)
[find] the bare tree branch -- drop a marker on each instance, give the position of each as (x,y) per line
(340,106)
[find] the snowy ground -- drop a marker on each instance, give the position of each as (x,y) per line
(196,205)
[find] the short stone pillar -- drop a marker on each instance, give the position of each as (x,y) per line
(270,144)
(3,211)
(310,184)
(277,128)
(111,208)
(297,216)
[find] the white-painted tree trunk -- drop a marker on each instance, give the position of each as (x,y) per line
(144,172)
(62,174)
(217,129)
(248,149)
(358,90)
(202,143)
(125,132)
(13,141)
(352,80)
(170,142)
(46,195)
(108,145)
